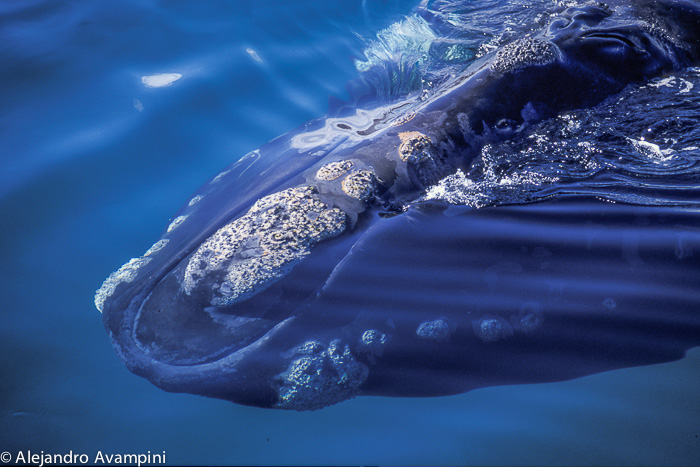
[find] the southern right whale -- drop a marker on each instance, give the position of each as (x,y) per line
(307,273)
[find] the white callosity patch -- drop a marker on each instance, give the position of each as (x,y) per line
(126,273)
(176,223)
(261,247)
(320,378)
(156,247)
(195,200)
(160,80)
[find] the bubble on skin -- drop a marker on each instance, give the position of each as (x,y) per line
(438,330)
(334,170)
(195,200)
(415,147)
(320,377)
(609,303)
(126,273)
(176,223)
(360,184)
(259,248)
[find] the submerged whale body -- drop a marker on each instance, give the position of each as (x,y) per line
(290,279)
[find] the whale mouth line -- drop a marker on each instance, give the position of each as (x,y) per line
(250,332)
(611,35)
(196,333)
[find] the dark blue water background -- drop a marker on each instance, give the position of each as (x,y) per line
(94,164)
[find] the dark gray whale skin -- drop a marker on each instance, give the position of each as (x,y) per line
(289,281)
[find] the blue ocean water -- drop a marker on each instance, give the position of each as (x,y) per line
(96,163)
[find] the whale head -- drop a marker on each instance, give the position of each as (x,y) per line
(629,41)
(245,296)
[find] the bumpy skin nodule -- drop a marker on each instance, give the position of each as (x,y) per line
(241,299)
(262,246)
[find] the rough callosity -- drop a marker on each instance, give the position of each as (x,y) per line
(334,170)
(492,329)
(415,147)
(373,342)
(523,53)
(176,223)
(251,253)
(126,273)
(360,184)
(320,377)
(438,330)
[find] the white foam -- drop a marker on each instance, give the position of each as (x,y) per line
(413,35)
(684,86)
(651,150)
